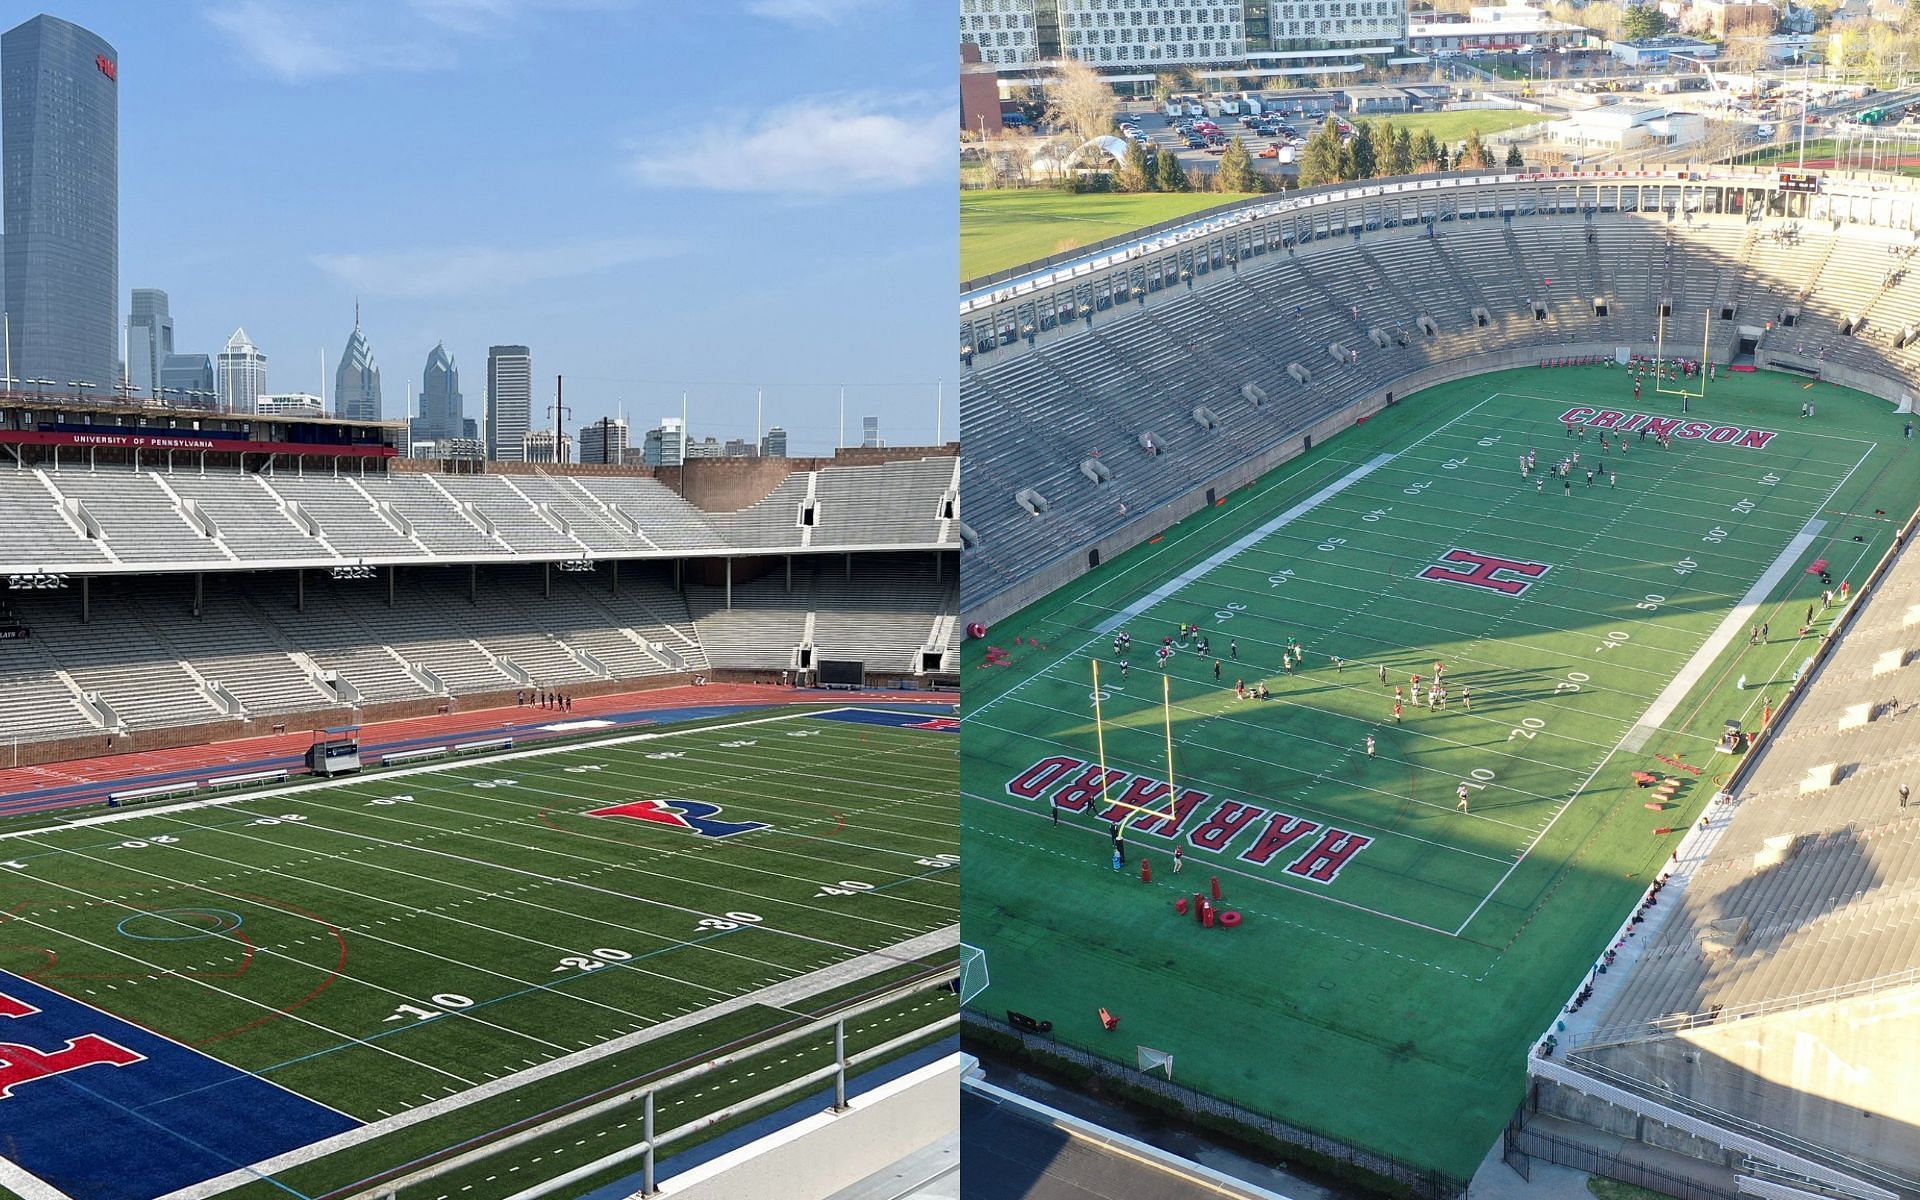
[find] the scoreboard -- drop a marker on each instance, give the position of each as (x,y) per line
(1799,181)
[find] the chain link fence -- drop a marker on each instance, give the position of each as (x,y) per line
(1522,1144)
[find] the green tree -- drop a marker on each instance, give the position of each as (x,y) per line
(1171,177)
(1426,149)
(1320,158)
(1475,153)
(1642,21)
(1236,172)
(1515,160)
(1440,159)
(1400,152)
(1132,174)
(1344,169)
(1366,159)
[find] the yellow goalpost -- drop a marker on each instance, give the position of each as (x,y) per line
(1660,362)
(1100,743)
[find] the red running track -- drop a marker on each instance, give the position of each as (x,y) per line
(87,781)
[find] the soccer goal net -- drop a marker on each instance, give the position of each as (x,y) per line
(1151,1060)
(973,972)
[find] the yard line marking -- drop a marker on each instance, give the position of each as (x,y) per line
(403,772)
(1721,637)
(780,996)
(246,1000)
(1234,548)
(1331,489)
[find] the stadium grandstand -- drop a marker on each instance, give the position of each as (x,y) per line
(483,836)
(1758,1017)
(178,578)
(1749,1026)
(1202,353)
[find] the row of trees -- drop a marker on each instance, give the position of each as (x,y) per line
(1380,149)
(1376,150)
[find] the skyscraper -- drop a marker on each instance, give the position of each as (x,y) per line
(773,443)
(242,375)
(509,401)
(356,382)
(60,177)
(441,404)
(604,441)
(149,339)
(666,444)
(182,375)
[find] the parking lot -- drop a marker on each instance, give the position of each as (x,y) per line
(1199,141)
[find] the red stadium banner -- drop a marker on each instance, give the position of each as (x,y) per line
(186,441)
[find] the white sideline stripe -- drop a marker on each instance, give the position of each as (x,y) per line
(1723,635)
(1165,1160)
(777,995)
(28,1187)
(1663,705)
(429,769)
(1247,540)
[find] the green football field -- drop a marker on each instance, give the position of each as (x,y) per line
(1398,955)
(422,951)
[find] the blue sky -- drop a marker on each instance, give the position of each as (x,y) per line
(653,196)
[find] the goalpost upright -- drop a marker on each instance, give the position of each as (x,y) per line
(1100,747)
(1660,361)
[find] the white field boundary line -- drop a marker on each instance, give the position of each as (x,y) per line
(1184,1169)
(27,1187)
(1240,545)
(425,769)
(779,995)
(1742,614)
(1669,699)
(1723,635)
(1188,576)
(1150,557)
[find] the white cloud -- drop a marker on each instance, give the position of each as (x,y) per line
(298,40)
(471,270)
(821,146)
(808,12)
(294,42)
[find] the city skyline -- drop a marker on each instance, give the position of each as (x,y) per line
(690,219)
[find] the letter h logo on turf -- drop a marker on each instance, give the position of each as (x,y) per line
(23,1064)
(1484,571)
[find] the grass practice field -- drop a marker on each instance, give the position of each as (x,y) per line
(1452,127)
(1397,954)
(396,963)
(1007,227)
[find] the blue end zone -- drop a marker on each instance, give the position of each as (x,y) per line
(891,719)
(106,1132)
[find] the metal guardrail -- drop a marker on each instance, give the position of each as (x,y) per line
(643,1096)
(1843,1172)
(1656,1027)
